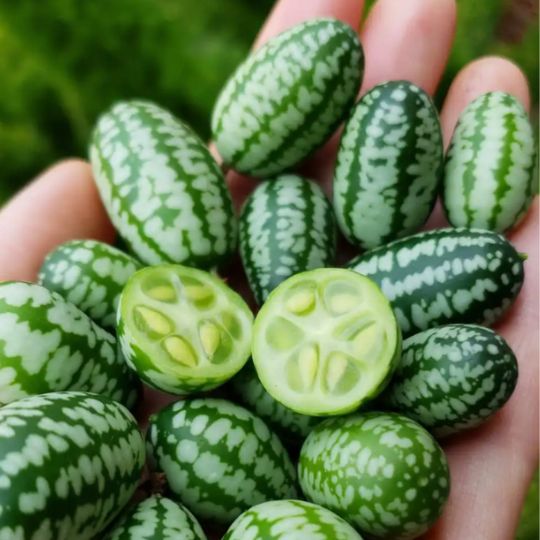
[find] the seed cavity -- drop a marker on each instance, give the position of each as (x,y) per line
(369,343)
(232,324)
(180,351)
(210,336)
(341,374)
(352,326)
(301,302)
(302,369)
(341,298)
(198,293)
(283,335)
(162,293)
(151,322)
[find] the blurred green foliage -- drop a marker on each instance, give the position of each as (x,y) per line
(64,61)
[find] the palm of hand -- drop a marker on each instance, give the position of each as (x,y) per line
(490,467)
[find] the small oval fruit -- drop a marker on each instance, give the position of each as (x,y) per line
(183,330)
(467,276)
(47,344)
(491,167)
(292,428)
(389,165)
(218,458)
(287,226)
(290,520)
(288,97)
(383,473)
(90,275)
(325,342)
(453,378)
(160,518)
(161,187)
(69,463)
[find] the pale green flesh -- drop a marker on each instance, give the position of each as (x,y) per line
(186,323)
(325,341)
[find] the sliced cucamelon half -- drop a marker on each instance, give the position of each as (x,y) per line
(325,342)
(183,330)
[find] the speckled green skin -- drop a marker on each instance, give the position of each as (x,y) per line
(290,520)
(468,276)
(453,377)
(218,458)
(157,518)
(69,463)
(288,97)
(389,165)
(292,428)
(47,344)
(287,226)
(491,174)
(382,472)
(90,275)
(161,187)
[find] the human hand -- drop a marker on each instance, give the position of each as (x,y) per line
(491,466)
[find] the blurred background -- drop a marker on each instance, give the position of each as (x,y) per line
(65,61)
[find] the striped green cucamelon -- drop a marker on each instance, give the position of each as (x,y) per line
(453,377)
(183,330)
(156,518)
(434,278)
(47,344)
(326,342)
(218,458)
(91,275)
(287,226)
(288,97)
(290,520)
(162,189)
(490,175)
(292,428)
(389,165)
(69,463)
(383,473)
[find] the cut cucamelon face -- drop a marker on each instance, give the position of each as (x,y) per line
(287,226)
(290,520)
(291,427)
(288,97)
(47,344)
(453,377)
(325,342)
(383,473)
(218,459)
(183,330)
(162,189)
(468,276)
(491,166)
(90,275)
(389,165)
(157,518)
(69,463)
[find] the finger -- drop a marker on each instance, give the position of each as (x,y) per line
(485,75)
(402,40)
(61,205)
(491,467)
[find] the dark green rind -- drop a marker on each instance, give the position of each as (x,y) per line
(157,518)
(69,463)
(292,428)
(290,520)
(491,171)
(467,276)
(288,97)
(381,472)
(389,165)
(90,275)
(218,458)
(47,344)
(162,188)
(287,226)
(453,378)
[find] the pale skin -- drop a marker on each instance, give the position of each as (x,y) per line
(491,467)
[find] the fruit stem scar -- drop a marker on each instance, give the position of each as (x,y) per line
(523,256)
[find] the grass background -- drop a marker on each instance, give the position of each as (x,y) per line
(64,61)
